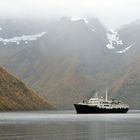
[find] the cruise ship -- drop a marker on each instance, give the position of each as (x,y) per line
(101,105)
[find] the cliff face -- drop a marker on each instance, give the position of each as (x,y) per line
(14,95)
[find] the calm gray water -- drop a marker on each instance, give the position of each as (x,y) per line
(67,125)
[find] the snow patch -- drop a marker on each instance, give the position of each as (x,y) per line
(26,42)
(110,46)
(25,38)
(126,49)
(114,42)
(113,39)
(85,20)
(79,18)
(18,42)
(0,28)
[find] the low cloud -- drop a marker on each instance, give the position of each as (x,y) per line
(112,12)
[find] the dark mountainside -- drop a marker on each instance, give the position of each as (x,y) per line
(14,95)
(71,61)
(128,84)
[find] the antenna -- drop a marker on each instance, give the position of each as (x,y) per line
(106,95)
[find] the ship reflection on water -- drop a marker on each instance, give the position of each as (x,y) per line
(67,125)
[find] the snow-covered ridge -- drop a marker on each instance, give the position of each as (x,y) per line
(79,18)
(84,19)
(25,38)
(126,49)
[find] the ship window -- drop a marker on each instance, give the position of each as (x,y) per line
(105,102)
(106,105)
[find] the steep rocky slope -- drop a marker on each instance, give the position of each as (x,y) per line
(14,95)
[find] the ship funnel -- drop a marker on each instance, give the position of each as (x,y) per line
(96,94)
(106,95)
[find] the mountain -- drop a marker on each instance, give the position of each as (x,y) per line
(76,57)
(16,34)
(126,87)
(64,64)
(19,26)
(127,84)
(15,95)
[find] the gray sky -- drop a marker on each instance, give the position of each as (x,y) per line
(112,13)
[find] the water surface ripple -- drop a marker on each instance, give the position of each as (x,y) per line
(67,125)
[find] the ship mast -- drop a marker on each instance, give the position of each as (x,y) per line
(106,95)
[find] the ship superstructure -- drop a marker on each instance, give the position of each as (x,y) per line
(101,105)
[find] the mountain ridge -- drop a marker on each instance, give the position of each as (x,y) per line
(71,61)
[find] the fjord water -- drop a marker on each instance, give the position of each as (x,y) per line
(67,125)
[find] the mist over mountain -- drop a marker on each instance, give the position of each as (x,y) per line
(15,34)
(12,27)
(75,57)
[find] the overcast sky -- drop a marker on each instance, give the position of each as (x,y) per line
(112,13)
